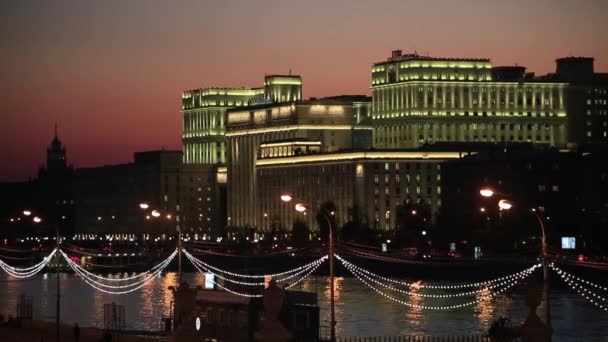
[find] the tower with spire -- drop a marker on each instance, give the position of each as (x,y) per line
(56,155)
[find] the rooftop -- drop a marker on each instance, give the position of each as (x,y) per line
(398,56)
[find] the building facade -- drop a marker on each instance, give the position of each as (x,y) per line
(204,112)
(282,130)
(374,183)
(586,100)
(421,100)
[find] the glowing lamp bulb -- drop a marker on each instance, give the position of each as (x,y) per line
(286,197)
(144,205)
(37,219)
(27,213)
(486,192)
(300,207)
(505,204)
(155,213)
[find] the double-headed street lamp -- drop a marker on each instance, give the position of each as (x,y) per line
(506,204)
(156,214)
(37,219)
(302,207)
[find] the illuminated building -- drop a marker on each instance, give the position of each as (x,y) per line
(284,129)
(316,148)
(419,100)
(375,182)
(204,148)
(204,112)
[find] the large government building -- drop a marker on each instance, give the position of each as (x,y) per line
(419,100)
(377,153)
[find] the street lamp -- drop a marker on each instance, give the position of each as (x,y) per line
(505,204)
(37,219)
(286,197)
(155,214)
(486,192)
(301,207)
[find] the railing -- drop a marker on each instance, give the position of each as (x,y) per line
(474,338)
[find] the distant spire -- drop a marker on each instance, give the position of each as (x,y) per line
(55,130)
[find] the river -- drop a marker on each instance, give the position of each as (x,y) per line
(359,310)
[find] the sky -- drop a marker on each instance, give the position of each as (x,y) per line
(110,73)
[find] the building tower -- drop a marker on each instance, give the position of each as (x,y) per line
(56,155)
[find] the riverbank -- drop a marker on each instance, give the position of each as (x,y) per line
(40,331)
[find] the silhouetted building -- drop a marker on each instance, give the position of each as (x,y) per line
(567,186)
(586,100)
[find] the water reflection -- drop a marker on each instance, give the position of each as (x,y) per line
(413,314)
(484,307)
(359,310)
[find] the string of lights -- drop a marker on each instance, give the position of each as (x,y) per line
(90,280)
(310,271)
(240,275)
(439,287)
(416,294)
(586,282)
(446,307)
(206,251)
(96,285)
(26,272)
(590,296)
(313,265)
(85,275)
(139,275)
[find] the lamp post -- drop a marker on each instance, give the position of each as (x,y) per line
(301,207)
(58,313)
(156,214)
(505,204)
(36,220)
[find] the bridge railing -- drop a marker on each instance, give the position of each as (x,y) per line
(473,338)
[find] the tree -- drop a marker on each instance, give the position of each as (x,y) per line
(325,217)
(299,233)
(411,220)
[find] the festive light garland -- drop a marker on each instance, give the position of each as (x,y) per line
(439,287)
(590,296)
(447,307)
(97,285)
(156,270)
(143,274)
(26,272)
(240,275)
(303,270)
(310,271)
(559,270)
(461,294)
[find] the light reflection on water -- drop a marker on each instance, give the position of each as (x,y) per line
(359,310)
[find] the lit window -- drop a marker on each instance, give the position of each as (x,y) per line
(555,188)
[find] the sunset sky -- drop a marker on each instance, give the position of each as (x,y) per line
(111,72)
